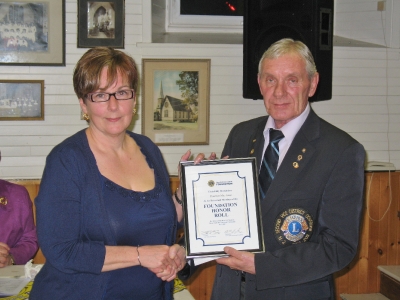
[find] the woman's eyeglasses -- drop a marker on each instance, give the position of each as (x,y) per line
(104,97)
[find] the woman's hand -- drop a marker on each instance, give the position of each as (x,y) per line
(156,257)
(178,255)
(5,258)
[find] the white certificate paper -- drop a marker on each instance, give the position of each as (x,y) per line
(221,207)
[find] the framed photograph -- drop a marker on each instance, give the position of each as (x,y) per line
(32,32)
(221,207)
(101,23)
(176,101)
(21,100)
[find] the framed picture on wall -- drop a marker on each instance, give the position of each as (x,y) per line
(176,101)
(21,100)
(25,34)
(101,23)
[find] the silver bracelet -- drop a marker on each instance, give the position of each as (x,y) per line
(138,256)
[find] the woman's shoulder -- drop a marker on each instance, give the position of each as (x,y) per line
(72,143)
(13,190)
(142,140)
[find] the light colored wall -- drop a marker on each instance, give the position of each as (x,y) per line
(365,103)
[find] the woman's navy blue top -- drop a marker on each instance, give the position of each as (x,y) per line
(137,218)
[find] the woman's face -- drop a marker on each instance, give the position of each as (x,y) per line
(113,117)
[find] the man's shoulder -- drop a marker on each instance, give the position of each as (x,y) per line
(336,133)
(317,127)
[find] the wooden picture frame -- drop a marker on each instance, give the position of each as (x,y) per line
(101,23)
(33,33)
(21,100)
(176,101)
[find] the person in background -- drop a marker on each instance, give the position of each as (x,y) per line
(311,211)
(106,219)
(18,240)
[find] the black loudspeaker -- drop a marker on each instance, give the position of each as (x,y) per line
(267,21)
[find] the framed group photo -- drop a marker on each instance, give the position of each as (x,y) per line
(175,101)
(101,23)
(21,100)
(32,32)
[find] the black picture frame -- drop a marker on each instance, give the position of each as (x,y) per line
(101,23)
(32,33)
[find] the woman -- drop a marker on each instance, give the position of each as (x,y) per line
(18,241)
(105,216)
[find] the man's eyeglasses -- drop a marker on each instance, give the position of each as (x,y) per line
(104,97)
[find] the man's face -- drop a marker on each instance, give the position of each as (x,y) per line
(285,87)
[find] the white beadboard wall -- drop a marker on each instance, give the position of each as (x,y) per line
(365,103)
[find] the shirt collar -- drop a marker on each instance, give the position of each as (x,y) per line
(291,128)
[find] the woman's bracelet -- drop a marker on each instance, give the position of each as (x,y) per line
(138,256)
(177,198)
(12,259)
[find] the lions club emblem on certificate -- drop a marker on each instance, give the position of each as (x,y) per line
(293,225)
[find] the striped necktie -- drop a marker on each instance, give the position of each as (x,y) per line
(270,161)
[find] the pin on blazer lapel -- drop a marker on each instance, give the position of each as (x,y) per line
(300,153)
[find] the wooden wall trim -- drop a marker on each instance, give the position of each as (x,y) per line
(379,240)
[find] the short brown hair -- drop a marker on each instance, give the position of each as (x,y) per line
(88,70)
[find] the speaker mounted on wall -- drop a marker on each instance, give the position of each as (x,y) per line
(267,21)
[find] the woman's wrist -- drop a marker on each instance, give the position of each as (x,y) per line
(138,255)
(12,261)
(177,198)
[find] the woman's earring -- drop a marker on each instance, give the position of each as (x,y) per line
(134,111)
(86,117)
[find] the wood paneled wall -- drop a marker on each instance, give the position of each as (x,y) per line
(380,235)
(379,241)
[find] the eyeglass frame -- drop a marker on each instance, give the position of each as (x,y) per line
(90,96)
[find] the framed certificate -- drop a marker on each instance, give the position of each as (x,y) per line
(221,207)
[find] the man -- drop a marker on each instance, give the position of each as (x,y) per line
(312,209)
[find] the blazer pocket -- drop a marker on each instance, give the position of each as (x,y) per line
(314,291)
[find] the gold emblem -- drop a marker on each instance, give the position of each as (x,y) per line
(254,140)
(303,150)
(294,225)
(3,201)
(252,151)
(300,157)
(295,165)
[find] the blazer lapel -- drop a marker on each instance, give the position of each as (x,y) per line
(257,142)
(298,156)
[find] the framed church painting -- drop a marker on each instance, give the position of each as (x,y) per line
(176,101)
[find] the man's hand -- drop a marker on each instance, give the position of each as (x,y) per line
(238,260)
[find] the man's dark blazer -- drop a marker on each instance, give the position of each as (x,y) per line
(322,176)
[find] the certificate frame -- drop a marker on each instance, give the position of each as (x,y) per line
(221,207)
